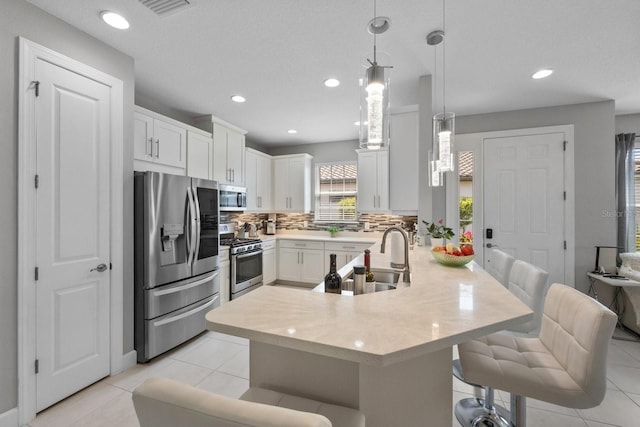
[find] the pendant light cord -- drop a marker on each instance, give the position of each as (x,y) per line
(444,56)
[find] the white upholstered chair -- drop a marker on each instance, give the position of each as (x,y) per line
(565,365)
(529,284)
(499,266)
(160,402)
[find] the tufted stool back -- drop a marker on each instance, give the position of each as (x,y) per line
(529,284)
(499,266)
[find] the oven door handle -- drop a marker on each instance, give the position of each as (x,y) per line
(247,255)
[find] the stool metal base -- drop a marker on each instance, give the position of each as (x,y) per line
(471,412)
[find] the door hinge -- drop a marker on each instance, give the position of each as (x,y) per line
(565,245)
(110,266)
(37,86)
(37,273)
(37,181)
(564,145)
(564,195)
(37,366)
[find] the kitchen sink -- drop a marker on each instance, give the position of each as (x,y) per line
(387,276)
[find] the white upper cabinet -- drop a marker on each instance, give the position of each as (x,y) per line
(228,150)
(258,180)
(292,183)
(228,155)
(199,154)
(373,181)
(403,163)
(159,143)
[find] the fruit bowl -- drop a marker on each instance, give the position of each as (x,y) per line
(452,260)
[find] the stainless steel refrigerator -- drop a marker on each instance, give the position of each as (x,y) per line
(176,246)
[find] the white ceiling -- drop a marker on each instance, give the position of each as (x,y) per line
(277,54)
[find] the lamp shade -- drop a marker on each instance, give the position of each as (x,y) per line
(374,108)
(443,138)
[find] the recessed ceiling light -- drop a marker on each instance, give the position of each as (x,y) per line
(238,98)
(114,19)
(332,82)
(292,131)
(541,74)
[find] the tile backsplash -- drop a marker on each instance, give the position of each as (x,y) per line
(295,221)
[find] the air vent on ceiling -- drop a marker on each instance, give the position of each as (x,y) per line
(165,7)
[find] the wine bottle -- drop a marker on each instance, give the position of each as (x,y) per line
(333,281)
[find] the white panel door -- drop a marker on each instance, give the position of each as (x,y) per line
(252,180)
(263,183)
(221,171)
(312,267)
(382,180)
(143,137)
(281,184)
(524,200)
(235,156)
(72,339)
(297,185)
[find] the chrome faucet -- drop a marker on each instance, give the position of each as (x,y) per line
(406,276)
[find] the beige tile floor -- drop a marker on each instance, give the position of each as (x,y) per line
(220,363)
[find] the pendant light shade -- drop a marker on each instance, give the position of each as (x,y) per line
(374,108)
(443,136)
(374,94)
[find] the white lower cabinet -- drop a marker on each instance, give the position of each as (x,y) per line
(301,261)
(269,265)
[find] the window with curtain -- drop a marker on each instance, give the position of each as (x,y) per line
(636,181)
(336,192)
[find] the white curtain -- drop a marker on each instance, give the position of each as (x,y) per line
(625,192)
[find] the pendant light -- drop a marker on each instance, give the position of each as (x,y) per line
(374,93)
(442,153)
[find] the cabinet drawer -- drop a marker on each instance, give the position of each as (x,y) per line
(346,246)
(268,244)
(301,244)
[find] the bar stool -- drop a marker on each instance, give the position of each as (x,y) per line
(529,284)
(499,266)
(565,364)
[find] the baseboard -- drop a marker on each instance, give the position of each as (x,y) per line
(129,360)
(9,418)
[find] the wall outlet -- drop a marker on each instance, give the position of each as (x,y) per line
(366,226)
(305,224)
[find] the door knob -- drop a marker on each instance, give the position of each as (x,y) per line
(100,268)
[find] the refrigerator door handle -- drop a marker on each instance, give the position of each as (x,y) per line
(198,223)
(191,238)
(173,290)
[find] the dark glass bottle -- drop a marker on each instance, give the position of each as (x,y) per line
(367,265)
(333,281)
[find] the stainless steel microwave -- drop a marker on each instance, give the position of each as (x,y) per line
(232,198)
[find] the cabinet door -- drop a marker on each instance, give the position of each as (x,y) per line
(297,185)
(235,156)
(313,269)
(281,184)
(403,162)
(269,266)
(221,171)
(225,281)
(252,181)
(170,144)
(263,183)
(342,258)
(142,137)
(289,264)
(367,182)
(382,175)
(199,156)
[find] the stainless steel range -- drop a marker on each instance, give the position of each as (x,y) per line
(245,256)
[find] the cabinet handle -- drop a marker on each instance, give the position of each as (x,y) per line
(158,148)
(233,175)
(298,257)
(150,152)
(348,247)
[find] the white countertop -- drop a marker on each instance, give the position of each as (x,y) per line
(442,307)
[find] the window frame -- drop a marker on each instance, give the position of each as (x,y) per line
(317,194)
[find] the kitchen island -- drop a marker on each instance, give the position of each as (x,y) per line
(386,353)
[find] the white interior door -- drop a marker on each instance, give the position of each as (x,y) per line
(72,221)
(524,206)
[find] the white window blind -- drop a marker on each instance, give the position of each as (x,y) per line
(336,192)
(636,158)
